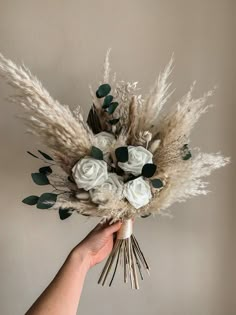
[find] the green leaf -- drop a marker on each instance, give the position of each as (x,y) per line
(145,215)
(46,156)
(40,178)
(96,153)
(31,200)
(45,170)
(65,213)
(186,153)
(122,154)
(114,121)
(107,101)
(103,90)
(157,183)
(32,154)
(112,108)
(149,170)
(46,200)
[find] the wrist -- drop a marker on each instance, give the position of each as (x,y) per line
(80,257)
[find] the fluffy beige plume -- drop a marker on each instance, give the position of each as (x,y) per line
(106,67)
(181,118)
(156,99)
(184,180)
(174,129)
(123,94)
(47,118)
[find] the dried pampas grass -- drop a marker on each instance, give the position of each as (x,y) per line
(45,117)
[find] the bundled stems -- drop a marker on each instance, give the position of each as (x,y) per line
(127,252)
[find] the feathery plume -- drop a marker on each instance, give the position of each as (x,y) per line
(157,98)
(47,118)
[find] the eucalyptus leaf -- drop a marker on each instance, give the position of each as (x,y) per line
(107,101)
(45,170)
(40,178)
(149,170)
(46,200)
(114,121)
(32,154)
(65,213)
(112,108)
(145,215)
(31,200)
(186,153)
(157,183)
(122,154)
(103,90)
(96,153)
(45,155)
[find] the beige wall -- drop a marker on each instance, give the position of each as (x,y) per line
(63,43)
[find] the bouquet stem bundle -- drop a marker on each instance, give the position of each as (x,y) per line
(127,252)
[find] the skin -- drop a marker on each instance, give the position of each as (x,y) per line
(62,295)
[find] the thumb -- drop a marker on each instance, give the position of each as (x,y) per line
(113,228)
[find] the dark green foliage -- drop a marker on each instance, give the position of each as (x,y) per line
(31,200)
(93,120)
(107,101)
(40,178)
(186,153)
(114,121)
(157,183)
(96,153)
(65,213)
(46,200)
(145,215)
(122,154)
(32,154)
(149,170)
(46,156)
(112,108)
(103,90)
(45,170)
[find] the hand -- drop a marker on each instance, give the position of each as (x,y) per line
(98,244)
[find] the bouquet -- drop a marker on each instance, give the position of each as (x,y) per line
(129,159)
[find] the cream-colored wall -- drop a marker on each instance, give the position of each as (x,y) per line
(63,43)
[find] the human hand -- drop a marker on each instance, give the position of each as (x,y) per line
(98,244)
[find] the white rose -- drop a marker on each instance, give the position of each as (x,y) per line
(104,140)
(138,157)
(137,192)
(89,172)
(113,184)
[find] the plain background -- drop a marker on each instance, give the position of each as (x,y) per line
(64,43)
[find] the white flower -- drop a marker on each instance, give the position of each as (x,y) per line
(89,172)
(138,192)
(104,140)
(138,157)
(113,184)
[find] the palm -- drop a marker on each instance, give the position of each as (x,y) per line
(99,242)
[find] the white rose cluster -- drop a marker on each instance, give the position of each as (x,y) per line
(89,173)
(138,192)
(113,184)
(92,174)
